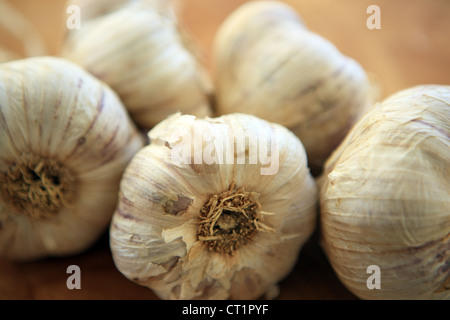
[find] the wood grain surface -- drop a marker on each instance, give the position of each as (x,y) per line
(412,47)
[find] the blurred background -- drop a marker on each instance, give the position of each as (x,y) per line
(412,47)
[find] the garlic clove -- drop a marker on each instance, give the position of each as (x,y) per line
(142,55)
(65,139)
(385,198)
(191,228)
(270,65)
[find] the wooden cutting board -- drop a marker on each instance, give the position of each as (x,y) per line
(412,47)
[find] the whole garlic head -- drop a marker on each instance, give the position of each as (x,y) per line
(267,63)
(142,55)
(385,198)
(197,220)
(65,139)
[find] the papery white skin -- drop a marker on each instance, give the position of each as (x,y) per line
(52,108)
(385,198)
(267,63)
(161,250)
(142,54)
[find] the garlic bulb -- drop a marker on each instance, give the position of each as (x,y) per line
(385,198)
(65,139)
(267,63)
(209,211)
(140,53)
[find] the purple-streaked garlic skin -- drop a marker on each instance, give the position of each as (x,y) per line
(65,140)
(385,198)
